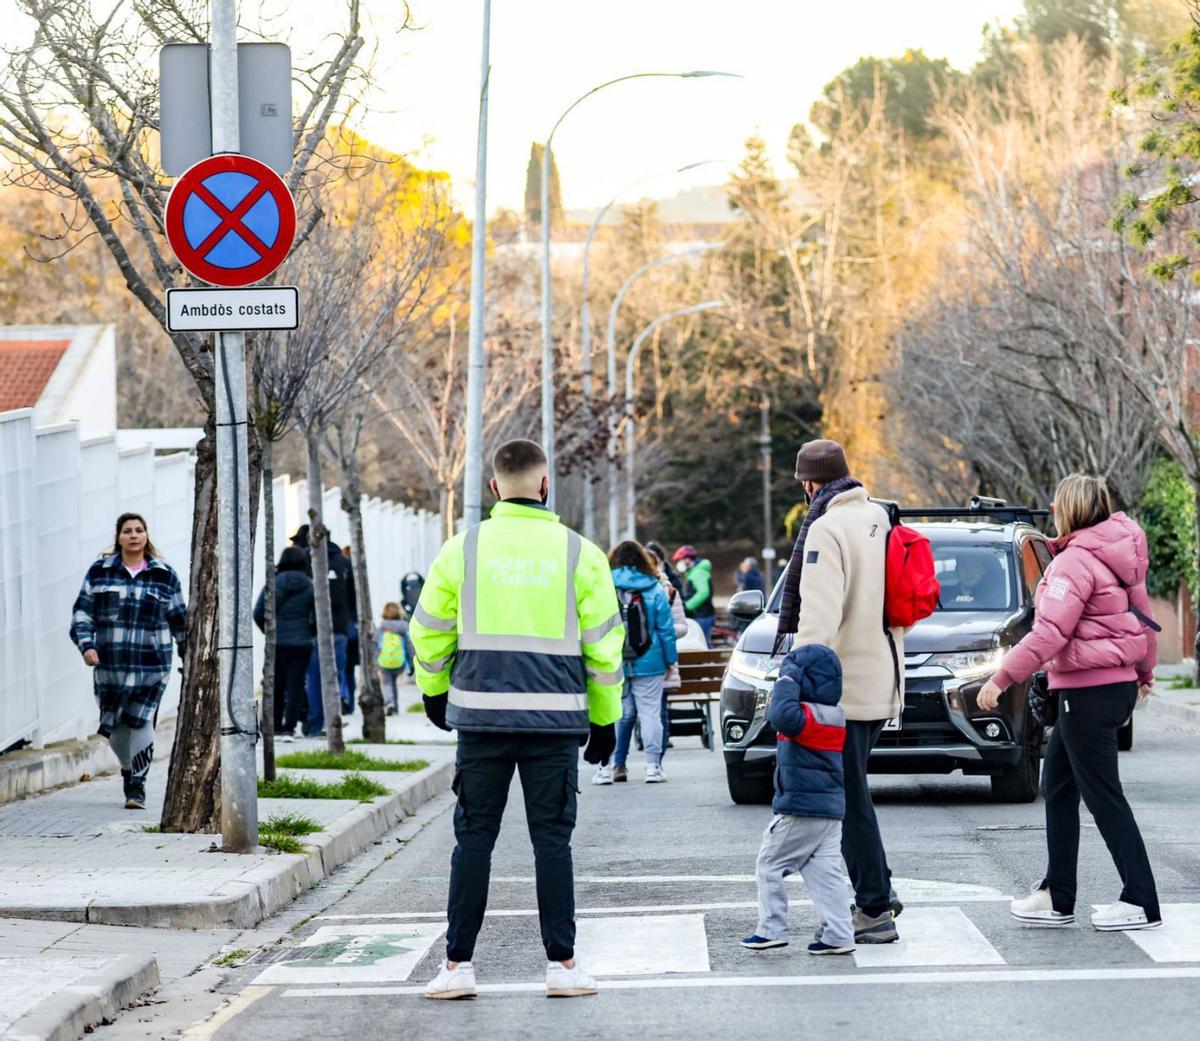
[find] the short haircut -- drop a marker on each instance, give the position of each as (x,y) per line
(518,458)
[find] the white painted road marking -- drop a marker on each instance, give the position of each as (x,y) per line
(865,979)
(1177,939)
(931,936)
(643,946)
(735,905)
(357,954)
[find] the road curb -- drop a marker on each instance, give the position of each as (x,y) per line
(274,885)
(88,1002)
(1173,709)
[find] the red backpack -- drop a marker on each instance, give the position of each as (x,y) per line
(911,588)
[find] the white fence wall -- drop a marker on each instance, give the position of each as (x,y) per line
(59,500)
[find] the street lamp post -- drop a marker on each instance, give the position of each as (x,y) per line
(764,448)
(614,477)
(630,424)
(585,338)
(547,301)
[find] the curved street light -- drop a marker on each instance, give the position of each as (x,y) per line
(547,303)
(630,423)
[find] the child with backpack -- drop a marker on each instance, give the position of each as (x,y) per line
(390,657)
(805,835)
(649,654)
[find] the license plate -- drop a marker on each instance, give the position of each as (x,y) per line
(895,723)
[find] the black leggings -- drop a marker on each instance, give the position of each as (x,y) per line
(1081,759)
(291,701)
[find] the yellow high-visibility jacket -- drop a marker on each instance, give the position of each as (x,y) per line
(519,622)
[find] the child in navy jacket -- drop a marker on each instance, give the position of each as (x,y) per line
(805,834)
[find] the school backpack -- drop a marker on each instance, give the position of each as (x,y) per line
(911,588)
(391,651)
(638,639)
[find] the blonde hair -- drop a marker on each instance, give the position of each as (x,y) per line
(391,611)
(1080,502)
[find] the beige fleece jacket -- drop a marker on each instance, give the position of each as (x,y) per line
(841,603)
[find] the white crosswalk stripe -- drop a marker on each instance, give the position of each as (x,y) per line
(643,945)
(931,936)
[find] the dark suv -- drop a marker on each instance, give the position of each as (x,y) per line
(989,559)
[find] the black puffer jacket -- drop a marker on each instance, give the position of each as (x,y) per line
(293,609)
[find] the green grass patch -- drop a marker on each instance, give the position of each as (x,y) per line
(323,759)
(415,707)
(1185,682)
(290,824)
(351,786)
(281,843)
(230,960)
(389,741)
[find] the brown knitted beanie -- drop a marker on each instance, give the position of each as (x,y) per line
(821,461)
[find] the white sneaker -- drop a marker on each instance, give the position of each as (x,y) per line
(562,982)
(654,773)
(603,774)
(449,983)
(1121,915)
(285,738)
(1038,909)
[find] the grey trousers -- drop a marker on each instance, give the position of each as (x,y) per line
(134,747)
(812,846)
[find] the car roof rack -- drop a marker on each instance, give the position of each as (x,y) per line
(981,507)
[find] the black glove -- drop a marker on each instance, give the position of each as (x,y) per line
(435,710)
(602,742)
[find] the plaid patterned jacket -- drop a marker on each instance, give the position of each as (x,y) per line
(130,621)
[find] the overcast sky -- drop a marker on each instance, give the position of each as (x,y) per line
(545,53)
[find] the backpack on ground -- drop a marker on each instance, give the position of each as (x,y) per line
(638,638)
(391,651)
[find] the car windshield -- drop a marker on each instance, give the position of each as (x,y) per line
(974,576)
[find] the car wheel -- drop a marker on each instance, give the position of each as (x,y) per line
(1020,783)
(748,788)
(1125,736)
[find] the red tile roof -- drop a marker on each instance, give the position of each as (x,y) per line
(25,368)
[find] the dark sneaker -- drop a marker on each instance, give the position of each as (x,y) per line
(620,774)
(818,947)
(135,795)
(761,943)
(126,777)
(874,928)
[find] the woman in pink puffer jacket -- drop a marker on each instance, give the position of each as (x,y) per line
(1094,634)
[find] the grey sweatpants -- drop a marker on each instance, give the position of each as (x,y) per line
(134,747)
(812,846)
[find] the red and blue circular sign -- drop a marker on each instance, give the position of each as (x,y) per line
(230,220)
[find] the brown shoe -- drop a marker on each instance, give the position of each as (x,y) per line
(620,774)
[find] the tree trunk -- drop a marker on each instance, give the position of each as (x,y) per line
(318,541)
(371,697)
(268,676)
(192,801)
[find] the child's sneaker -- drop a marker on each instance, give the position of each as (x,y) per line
(451,984)
(603,774)
(654,773)
(820,947)
(761,943)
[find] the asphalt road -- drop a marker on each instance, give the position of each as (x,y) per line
(665,890)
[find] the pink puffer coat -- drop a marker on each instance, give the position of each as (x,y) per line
(1084,629)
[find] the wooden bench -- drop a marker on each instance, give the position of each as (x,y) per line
(690,706)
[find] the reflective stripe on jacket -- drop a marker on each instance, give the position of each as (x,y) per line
(518,623)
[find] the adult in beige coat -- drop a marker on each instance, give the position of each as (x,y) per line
(833,595)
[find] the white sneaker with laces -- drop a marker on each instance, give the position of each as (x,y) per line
(654,773)
(1038,909)
(603,774)
(562,982)
(1122,916)
(451,984)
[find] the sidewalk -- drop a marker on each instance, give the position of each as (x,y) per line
(1183,703)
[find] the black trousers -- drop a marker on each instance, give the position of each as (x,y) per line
(291,701)
(1081,759)
(862,845)
(549,768)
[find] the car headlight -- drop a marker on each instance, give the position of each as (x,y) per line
(970,665)
(752,668)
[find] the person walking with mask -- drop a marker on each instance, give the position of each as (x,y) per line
(1094,631)
(698,603)
(518,640)
(129,610)
(833,594)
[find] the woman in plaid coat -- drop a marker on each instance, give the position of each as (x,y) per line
(129,609)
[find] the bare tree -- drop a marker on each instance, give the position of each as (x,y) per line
(78,118)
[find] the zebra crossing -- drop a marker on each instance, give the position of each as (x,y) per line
(669,946)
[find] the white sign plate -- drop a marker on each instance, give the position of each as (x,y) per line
(232,310)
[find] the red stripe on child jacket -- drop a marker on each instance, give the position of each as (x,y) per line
(820,737)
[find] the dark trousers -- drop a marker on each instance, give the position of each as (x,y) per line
(1081,759)
(862,845)
(291,701)
(549,769)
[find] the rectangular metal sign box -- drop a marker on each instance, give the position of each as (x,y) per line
(232,310)
(264,105)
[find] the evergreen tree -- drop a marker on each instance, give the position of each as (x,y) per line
(533,187)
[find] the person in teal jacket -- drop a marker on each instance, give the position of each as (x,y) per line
(635,576)
(697,574)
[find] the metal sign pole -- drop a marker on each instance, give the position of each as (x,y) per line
(239,719)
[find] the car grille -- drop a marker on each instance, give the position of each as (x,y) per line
(926,722)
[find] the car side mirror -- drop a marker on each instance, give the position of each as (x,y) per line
(747,605)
